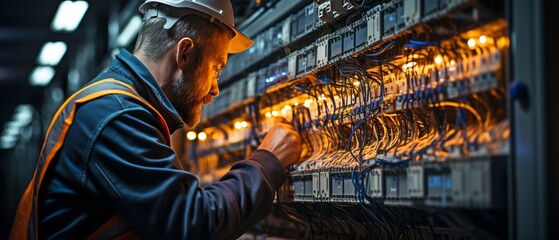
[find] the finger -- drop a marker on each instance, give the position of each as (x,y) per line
(286,126)
(280,120)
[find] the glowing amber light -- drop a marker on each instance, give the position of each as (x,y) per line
(482,39)
(409,65)
(202,136)
(471,43)
(503,42)
(191,135)
(438,59)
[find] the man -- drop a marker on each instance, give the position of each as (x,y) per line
(106,169)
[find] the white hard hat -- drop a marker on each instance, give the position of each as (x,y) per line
(218,11)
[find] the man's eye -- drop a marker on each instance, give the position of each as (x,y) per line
(218,72)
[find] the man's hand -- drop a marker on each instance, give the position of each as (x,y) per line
(283,141)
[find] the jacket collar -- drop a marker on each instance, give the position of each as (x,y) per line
(132,69)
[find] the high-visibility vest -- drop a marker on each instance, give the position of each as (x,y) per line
(26,215)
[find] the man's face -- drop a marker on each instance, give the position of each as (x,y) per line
(198,84)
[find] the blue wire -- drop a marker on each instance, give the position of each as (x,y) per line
(417,42)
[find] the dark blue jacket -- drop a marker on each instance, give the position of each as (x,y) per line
(115,160)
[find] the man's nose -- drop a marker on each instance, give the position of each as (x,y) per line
(214,91)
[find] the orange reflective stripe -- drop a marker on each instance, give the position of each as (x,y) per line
(63,106)
(161,119)
(27,206)
(113,229)
(104,228)
(130,235)
(68,121)
(21,224)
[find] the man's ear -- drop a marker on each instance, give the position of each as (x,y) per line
(185,52)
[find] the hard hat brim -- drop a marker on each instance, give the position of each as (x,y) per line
(239,43)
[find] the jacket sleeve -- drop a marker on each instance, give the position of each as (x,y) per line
(133,169)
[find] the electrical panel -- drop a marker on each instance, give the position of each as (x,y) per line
(402,108)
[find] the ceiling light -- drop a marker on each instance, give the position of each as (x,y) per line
(52,53)
(41,76)
(8,141)
(9,138)
(12,124)
(69,15)
(24,114)
(11,131)
(130,31)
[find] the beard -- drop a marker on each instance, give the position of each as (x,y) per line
(187,97)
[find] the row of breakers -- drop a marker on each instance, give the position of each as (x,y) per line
(467,183)
(378,24)
(392,17)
